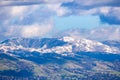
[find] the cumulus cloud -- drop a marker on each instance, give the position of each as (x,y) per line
(107,14)
(35,30)
(60,11)
(19,18)
(28,31)
(108,10)
(25,21)
(28,18)
(111,16)
(17,11)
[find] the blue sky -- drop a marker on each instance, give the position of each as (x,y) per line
(73,21)
(43,18)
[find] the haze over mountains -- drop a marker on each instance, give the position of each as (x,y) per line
(99,33)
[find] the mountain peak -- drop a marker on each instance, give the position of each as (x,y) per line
(66,44)
(68,39)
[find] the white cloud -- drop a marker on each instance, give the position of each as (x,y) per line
(108,10)
(35,30)
(29,31)
(18,10)
(25,21)
(58,9)
(21,20)
(102,33)
(104,10)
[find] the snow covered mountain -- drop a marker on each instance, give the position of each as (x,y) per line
(66,58)
(67,44)
(112,43)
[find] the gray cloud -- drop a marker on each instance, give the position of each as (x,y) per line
(76,4)
(108,10)
(19,2)
(30,2)
(88,4)
(112,16)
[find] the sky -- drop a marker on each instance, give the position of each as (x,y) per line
(44,18)
(75,21)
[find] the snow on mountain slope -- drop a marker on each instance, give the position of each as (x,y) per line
(62,45)
(81,44)
(112,43)
(34,43)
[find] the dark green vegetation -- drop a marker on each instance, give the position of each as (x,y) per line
(51,66)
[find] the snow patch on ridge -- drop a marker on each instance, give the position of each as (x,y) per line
(74,44)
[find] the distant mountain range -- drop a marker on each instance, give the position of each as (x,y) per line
(60,45)
(64,58)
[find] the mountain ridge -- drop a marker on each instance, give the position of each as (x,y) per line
(58,45)
(57,59)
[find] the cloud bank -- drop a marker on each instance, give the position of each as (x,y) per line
(107,10)
(25,21)
(30,18)
(99,34)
